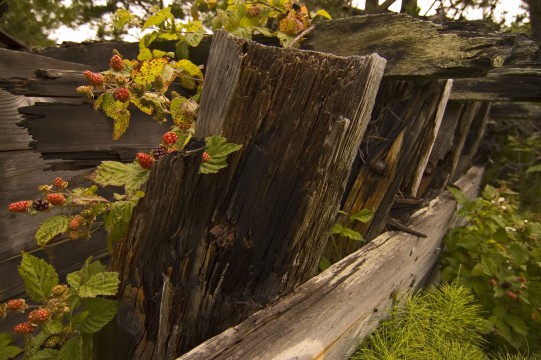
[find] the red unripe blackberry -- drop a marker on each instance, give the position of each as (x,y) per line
(121,94)
(40,205)
(169,138)
(206,157)
(56,199)
(93,78)
(75,222)
(39,316)
(18,305)
(145,160)
(116,63)
(60,183)
(24,328)
(19,206)
(158,152)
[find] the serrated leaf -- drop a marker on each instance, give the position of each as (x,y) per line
(489,192)
(195,32)
(458,195)
(516,323)
(116,221)
(148,70)
(89,269)
(323,13)
(189,68)
(45,354)
(121,18)
(8,351)
(144,54)
(346,232)
(158,18)
(364,216)
(117,111)
(218,148)
(38,276)
(50,228)
(100,313)
(533,168)
(177,112)
(103,283)
(104,101)
(72,349)
(131,176)
(53,327)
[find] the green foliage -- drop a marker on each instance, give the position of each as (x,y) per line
(50,228)
(117,219)
(497,255)
(342,231)
(439,323)
(218,148)
(38,276)
(131,176)
(8,351)
(92,280)
(61,334)
(516,164)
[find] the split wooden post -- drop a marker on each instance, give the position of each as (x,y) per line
(204,251)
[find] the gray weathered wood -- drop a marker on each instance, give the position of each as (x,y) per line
(419,48)
(254,231)
(326,317)
(503,84)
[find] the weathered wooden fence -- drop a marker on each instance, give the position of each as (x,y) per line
(422,134)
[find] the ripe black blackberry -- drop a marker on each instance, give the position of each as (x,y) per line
(40,205)
(158,152)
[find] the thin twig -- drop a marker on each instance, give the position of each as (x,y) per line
(301,35)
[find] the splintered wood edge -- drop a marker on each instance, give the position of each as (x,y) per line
(330,314)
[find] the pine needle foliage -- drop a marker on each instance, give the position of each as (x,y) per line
(440,323)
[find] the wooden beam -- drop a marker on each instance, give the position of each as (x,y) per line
(503,84)
(330,314)
(416,48)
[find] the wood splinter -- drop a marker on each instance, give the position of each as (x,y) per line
(401,227)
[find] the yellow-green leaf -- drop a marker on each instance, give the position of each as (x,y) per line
(50,228)
(39,277)
(323,13)
(148,71)
(158,18)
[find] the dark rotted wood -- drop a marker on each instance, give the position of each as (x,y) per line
(419,48)
(330,314)
(218,247)
(406,114)
(503,84)
(445,159)
(413,47)
(473,140)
